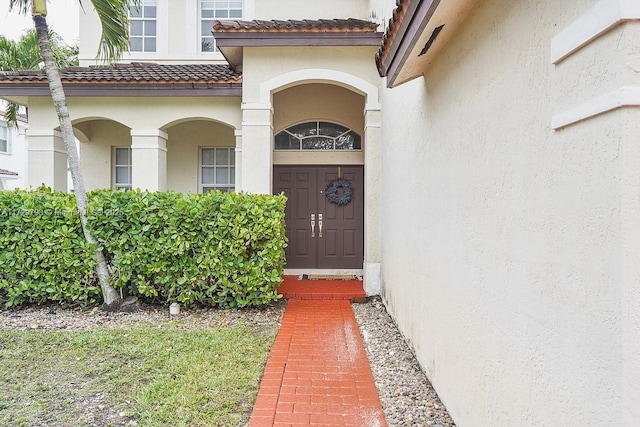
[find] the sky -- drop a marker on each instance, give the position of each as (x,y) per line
(62,18)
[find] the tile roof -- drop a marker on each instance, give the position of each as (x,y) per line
(291,25)
(136,72)
(6,172)
(394,24)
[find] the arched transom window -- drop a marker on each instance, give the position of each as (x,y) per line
(318,135)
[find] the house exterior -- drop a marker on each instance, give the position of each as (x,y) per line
(13,153)
(511,241)
(491,149)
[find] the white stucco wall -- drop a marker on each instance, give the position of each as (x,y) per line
(177,29)
(320,102)
(265,63)
(510,250)
(327,9)
(139,112)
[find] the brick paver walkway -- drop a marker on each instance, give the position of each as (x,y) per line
(318,372)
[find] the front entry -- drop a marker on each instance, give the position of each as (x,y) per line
(322,234)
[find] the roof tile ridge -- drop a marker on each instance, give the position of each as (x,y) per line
(390,32)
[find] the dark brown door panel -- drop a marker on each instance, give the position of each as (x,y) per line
(340,243)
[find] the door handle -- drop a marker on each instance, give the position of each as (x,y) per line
(313,225)
(320,224)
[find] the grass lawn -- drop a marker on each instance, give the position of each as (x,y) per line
(145,375)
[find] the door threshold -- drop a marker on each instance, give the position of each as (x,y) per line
(330,271)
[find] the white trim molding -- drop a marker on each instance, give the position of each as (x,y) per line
(47,150)
(627,96)
(256,106)
(247,124)
(598,20)
(44,132)
(55,145)
(150,132)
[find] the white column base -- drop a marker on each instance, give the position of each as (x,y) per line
(372,278)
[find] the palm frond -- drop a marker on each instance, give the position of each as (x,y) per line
(23,6)
(114,18)
(11,114)
(24,54)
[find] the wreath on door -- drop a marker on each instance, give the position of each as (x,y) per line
(333,192)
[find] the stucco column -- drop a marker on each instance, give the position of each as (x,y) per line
(47,159)
(149,159)
(372,184)
(630,274)
(257,148)
(238,175)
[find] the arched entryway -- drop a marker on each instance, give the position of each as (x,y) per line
(105,152)
(263,117)
(201,156)
(318,148)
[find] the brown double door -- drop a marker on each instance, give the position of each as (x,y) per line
(322,234)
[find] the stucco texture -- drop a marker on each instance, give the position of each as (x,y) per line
(507,259)
(264,63)
(296,9)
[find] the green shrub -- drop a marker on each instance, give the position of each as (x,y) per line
(43,254)
(223,249)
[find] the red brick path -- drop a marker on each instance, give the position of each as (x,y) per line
(318,372)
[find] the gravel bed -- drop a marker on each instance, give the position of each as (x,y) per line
(407,397)
(55,318)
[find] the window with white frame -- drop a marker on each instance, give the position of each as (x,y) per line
(4,139)
(215,9)
(121,168)
(217,169)
(142,27)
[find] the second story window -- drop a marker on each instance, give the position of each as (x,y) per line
(142,27)
(215,9)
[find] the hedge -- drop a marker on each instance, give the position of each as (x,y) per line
(218,249)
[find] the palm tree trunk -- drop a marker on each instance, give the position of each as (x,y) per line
(112,300)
